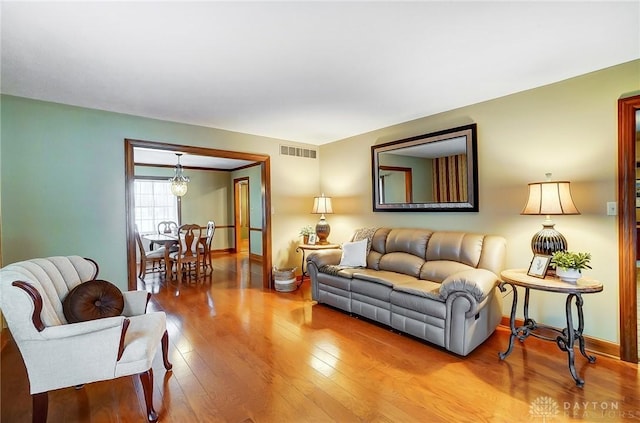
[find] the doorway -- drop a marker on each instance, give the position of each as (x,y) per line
(627,232)
(265,189)
(242,225)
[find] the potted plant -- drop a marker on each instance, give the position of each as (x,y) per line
(569,265)
(305,231)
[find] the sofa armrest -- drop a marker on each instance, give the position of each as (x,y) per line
(477,282)
(325,257)
(82,328)
(135,303)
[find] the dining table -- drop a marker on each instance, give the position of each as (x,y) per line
(168,240)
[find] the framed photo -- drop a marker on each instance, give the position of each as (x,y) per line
(539,265)
(313,238)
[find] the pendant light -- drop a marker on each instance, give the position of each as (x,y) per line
(179,181)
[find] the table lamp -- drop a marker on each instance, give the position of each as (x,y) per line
(322,206)
(549,198)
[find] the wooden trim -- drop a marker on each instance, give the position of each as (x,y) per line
(255,257)
(408,180)
(125,326)
(595,345)
(267,262)
(129,177)
(223,250)
(264,163)
(37,303)
(627,108)
(165,351)
(95,275)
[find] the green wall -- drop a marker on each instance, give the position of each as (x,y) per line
(62,182)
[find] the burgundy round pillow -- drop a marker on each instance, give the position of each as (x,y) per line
(92,300)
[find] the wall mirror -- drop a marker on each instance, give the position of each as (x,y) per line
(432,172)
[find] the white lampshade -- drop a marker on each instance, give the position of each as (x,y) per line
(549,198)
(322,205)
(553,197)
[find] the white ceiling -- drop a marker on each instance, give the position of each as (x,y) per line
(154,157)
(311,72)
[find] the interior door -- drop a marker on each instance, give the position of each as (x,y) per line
(242,216)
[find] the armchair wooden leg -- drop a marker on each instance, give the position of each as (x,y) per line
(165,351)
(40,407)
(147,386)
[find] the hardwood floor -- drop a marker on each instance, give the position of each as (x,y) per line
(243,354)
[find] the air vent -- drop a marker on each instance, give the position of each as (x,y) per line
(287,150)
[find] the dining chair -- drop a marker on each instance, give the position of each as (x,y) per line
(205,249)
(167,227)
(150,261)
(188,254)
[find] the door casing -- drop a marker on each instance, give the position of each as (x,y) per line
(264,161)
(627,108)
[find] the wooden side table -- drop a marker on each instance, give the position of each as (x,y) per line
(566,337)
(310,247)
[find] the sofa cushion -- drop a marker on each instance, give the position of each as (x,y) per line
(455,246)
(427,289)
(354,254)
(365,233)
(399,262)
(438,270)
(91,300)
(382,277)
(411,241)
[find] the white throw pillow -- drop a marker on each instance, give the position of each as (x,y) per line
(354,254)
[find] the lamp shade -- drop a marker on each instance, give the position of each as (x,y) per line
(322,205)
(550,198)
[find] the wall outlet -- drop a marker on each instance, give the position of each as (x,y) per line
(612,208)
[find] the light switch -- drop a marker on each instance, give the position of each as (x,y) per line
(612,208)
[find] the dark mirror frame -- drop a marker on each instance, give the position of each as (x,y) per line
(469,132)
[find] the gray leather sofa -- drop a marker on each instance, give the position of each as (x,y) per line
(437,286)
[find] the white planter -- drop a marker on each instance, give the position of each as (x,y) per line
(568,275)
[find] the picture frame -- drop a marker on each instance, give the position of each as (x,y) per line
(637,193)
(313,238)
(539,265)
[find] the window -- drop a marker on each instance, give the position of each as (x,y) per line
(154,203)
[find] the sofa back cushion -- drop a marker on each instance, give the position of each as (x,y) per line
(411,241)
(401,263)
(439,270)
(455,246)
(399,250)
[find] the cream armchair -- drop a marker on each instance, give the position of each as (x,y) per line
(58,354)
